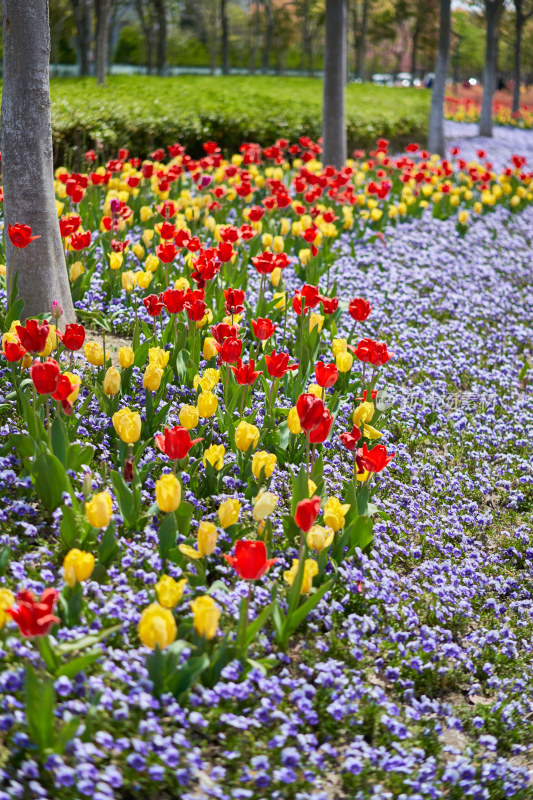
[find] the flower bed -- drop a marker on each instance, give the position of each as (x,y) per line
(246,594)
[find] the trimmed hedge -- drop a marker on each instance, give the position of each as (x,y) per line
(143,113)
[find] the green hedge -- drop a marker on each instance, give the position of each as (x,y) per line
(142,113)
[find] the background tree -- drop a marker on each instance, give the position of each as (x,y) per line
(436,114)
(333,113)
(82,17)
(27,160)
(360,13)
(523,12)
(493,11)
(224,24)
(161,17)
(102,10)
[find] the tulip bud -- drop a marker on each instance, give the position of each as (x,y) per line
(169,592)
(215,456)
(264,505)
(188,417)
(275,276)
(157,626)
(57,310)
(76,270)
(209,350)
(77,567)
(293,421)
(127,424)
(128,280)
(126,357)
(98,510)
(228,513)
(152,378)
(112,382)
(207,403)
(168,493)
(344,361)
(246,436)
(206,615)
(207,538)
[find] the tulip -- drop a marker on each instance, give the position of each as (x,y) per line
(207,537)
(174,300)
(51,342)
(233,301)
(207,403)
(112,382)
(316,321)
(246,436)
(175,442)
(370,432)
(374,460)
(7,599)
(359,309)
(228,513)
(94,354)
(215,456)
(206,615)
(153,304)
(245,374)
(152,377)
(77,566)
(127,424)
(338,346)
(363,413)
(73,336)
(293,421)
(263,461)
(75,383)
(318,538)
(157,627)
(188,417)
(335,513)
(143,279)
(99,509)
(168,493)
(34,616)
(350,439)
(115,260)
(326,374)
(344,362)
(310,411)
(250,559)
(45,376)
(76,269)
(263,328)
(310,570)
(12,348)
(321,432)
(20,235)
(126,357)
(306,513)
(33,335)
(158,357)
(315,389)
(230,350)
(209,350)
(278,364)
(169,592)
(264,505)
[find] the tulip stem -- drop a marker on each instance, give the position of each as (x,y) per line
(103,346)
(350,337)
(244,648)
(226,381)
(48,423)
(243,398)
(284,325)
(307,452)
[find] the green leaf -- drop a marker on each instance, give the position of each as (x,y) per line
(79,455)
(86,641)
(302,611)
(40,702)
(22,443)
(167,535)
(5,557)
(108,549)
(48,654)
(73,527)
(59,438)
(184,514)
(50,480)
(184,678)
(255,626)
(77,665)
(125,499)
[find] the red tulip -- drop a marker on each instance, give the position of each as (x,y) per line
(306,513)
(34,617)
(233,301)
(174,300)
(376,459)
(310,410)
(278,364)
(329,304)
(310,294)
(14,351)
(380,355)
(61,395)
(230,350)
(119,247)
(224,331)
(20,235)
(195,309)
(263,328)
(326,374)
(225,252)
(69,225)
(245,374)
(45,376)
(363,351)
(79,241)
(267,262)
(167,230)
(321,432)
(359,309)
(73,336)
(166,252)
(350,440)
(33,335)
(153,304)
(250,560)
(175,442)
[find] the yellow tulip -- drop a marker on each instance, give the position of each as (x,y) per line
(207,403)
(209,350)
(281,297)
(126,357)
(278,244)
(51,342)
(168,493)
(263,460)
(344,361)
(75,271)
(363,413)
(158,357)
(215,456)
(338,346)
(145,212)
(147,236)
(94,354)
(316,321)
(318,537)
(371,433)
(138,249)
(169,592)
(315,389)
(157,626)
(115,260)
(305,256)
(7,599)
(77,566)
(246,436)
(128,280)
(75,382)
(293,421)
(188,417)
(143,279)
(264,505)
(311,487)
(228,512)
(182,284)
(207,538)
(98,510)
(206,615)
(127,424)
(151,263)
(310,570)
(335,513)
(275,276)
(112,382)
(152,377)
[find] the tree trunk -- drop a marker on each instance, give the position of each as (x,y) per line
(517,67)
(269,35)
(82,18)
(436,114)
(102,9)
(27,160)
(147,26)
(493,9)
(161,14)
(414,53)
(225,37)
(360,42)
(333,114)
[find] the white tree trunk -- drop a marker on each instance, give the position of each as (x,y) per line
(436,114)
(493,9)
(333,113)
(27,159)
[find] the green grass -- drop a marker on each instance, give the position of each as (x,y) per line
(142,112)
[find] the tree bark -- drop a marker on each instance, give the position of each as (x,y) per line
(333,114)
(493,9)
(517,67)
(225,37)
(360,36)
(27,160)
(269,34)
(414,53)
(436,114)
(102,9)
(161,14)
(82,18)
(147,25)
